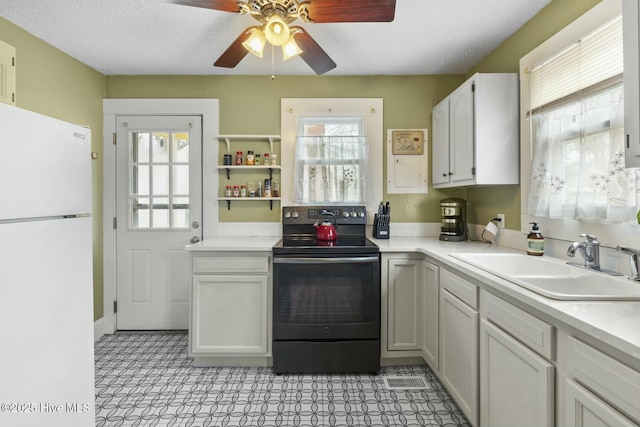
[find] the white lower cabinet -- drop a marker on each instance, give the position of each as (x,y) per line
(584,409)
(230,307)
(516,385)
(403,304)
(230,315)
(459,344)
(517,378)
(599,390)
(410,298)
(430,318)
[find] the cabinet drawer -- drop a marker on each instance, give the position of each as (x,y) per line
(531,331)
(613,381)
(461,288)
(232,263)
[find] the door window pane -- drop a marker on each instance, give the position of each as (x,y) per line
(159,171)
(160,147)
(180,212)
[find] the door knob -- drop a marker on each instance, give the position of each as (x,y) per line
(195,224)
(195,239)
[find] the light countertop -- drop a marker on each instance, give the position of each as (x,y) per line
(235,244)
(616,323)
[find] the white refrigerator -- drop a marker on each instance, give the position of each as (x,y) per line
(46,279)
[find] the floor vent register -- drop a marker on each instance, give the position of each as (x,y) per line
(406,383)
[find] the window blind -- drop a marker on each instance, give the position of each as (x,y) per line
(595,59)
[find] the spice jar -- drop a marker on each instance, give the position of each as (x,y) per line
(267,160)
(267,187)
(238,158)
(227,159)
(227,191)
(236,191)
(257,159)
(250,158)
(243,191)
(274,159)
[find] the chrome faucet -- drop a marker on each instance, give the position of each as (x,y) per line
(589,249)
(634,259)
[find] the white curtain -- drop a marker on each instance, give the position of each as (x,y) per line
(578,168)
(331,169)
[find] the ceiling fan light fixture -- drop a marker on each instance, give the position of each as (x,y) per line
(290,49)
(276,30)
(255,43)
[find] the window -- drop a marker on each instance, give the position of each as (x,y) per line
(576,119)
(159,180)
(331,159)
(341,141)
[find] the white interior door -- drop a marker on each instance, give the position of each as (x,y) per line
(159,211)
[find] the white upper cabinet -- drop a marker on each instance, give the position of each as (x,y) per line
(7,73)
(631,25)
(475,133)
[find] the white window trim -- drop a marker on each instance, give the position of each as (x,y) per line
(369,108)
(609,235)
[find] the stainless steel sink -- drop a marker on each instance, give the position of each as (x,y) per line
(552,277)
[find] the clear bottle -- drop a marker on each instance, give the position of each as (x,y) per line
(259,190)
(227,191)
(535,241)
(243,191)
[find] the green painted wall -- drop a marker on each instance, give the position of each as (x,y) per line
(252,105)
(52,83)
(485,203)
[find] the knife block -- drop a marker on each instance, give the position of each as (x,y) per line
(381,226)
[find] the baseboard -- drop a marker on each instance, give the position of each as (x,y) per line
(99,329)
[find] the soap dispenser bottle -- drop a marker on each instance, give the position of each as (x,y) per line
(535,241)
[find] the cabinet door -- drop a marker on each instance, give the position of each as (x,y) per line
(584,409)
(430,302)
(230,315)
(403,299)
(440,151)
(516,385)
(459,347)
(7,73)
(462,133)
(631,28)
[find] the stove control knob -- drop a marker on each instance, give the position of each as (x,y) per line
(295,214)
(287,214)
(345,214)
(353,214)
(361,214)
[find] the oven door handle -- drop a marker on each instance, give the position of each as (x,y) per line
(338,260)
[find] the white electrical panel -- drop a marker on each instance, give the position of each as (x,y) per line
(407,161)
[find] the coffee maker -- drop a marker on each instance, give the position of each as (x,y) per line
(454,220)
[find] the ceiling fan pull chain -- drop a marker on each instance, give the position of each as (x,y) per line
(273,65)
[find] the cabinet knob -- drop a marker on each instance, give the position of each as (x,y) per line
(195,239)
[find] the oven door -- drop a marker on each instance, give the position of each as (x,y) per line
(323,297)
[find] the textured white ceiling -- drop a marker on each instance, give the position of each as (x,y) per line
(157,37)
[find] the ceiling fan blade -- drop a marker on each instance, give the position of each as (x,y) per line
(235,52)
(312,53)
(224,5)
(325,11)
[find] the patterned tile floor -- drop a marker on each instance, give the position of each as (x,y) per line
(148,380)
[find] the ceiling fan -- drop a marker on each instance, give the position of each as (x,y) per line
(275,17)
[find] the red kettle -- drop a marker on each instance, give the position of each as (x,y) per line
(326,230)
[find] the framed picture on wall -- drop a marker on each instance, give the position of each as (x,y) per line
(407,142)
